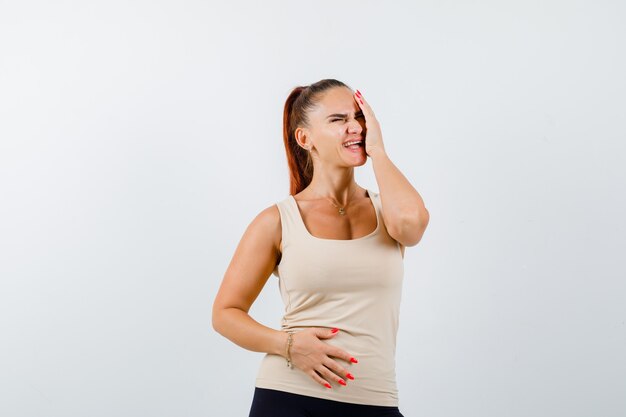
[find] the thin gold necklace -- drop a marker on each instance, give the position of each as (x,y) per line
(342,210)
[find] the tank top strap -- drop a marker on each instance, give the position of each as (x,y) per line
(375,197)
(289,220)
(378,206)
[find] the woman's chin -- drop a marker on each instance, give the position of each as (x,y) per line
(356,160)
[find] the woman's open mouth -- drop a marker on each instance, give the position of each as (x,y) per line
(354,146)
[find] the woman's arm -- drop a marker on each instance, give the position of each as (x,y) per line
(252,264)
(250,267)
(404,212)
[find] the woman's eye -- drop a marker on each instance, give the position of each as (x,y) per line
(361,116)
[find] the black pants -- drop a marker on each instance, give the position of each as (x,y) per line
(273,403)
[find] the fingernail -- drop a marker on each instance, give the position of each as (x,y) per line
(327,385)
(342,382)
(349,376)
(358,93)
(335,330)
(361,101)
(353,360)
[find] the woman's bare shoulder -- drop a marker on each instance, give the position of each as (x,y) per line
(252,263)
(267,224)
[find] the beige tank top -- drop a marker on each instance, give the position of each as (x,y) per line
(354,285)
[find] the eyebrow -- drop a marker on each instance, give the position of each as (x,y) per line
(360,112)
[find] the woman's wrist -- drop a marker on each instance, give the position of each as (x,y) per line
(288,349)
(280,346)
(378,153)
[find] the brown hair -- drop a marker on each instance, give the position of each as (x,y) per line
(299,102)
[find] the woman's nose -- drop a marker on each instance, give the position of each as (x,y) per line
(354,126)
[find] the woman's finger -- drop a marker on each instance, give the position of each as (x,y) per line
(329,375)
(365,106)
(319,379)
(340,353)
(338,369)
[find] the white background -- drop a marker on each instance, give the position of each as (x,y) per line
(138,139)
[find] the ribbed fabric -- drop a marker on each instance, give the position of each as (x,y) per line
(354,285)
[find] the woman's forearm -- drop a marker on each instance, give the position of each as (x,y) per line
(237,326)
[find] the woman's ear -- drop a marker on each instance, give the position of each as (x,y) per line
(302,138)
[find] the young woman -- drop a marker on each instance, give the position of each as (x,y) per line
(337,250)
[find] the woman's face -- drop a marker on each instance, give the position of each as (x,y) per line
(336,120)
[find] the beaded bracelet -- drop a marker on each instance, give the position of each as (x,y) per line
(289,343)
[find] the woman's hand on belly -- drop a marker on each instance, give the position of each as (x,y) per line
(315,358)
